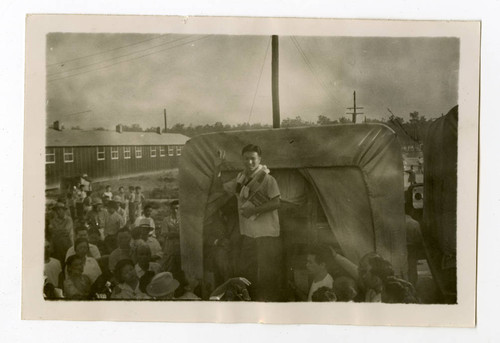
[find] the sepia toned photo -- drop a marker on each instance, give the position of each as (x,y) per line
(192,166)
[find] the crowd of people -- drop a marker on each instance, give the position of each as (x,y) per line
(108,246)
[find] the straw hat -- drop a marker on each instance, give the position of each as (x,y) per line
(96,201)
(162,284)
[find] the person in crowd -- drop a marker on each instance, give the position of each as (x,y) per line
(146,217)
(151,241)
(80,197)
(324,294)
(345,289)
(122,207)
(60,231)
(108,194)
(234,289)
(170,233)
(144,263)
(398,291)
(121,192)
(412,177)
(128,282)
(138,201)
(187,288)
(90,266)
(97,217)
(114,221)
(413,240)
(82,232)
(124,249)
(380,285)
(77,284)
(130,198)
(316,266)
(87,203)
(71,201)
(94,237)
(258,198)
(52,267)
(162,286)
(221,238)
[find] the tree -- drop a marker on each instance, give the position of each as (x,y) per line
(295,122)
(133,128)
(324,120)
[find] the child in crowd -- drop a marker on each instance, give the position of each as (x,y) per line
(77,285)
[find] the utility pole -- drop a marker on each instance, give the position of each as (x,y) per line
(165,118)
(275,81)
(354,112)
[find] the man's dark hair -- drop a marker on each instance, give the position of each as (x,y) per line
(148,207)
(93,231)
(323,294)
(320,253)
(119,266)
(251,148)
(138,187)
(345,288)
(381,268)
(174,203)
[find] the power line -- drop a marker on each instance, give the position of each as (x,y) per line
(130,59)
(115,58)
(106,51)
(310,66)
(258,82)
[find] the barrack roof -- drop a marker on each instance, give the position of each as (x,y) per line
(64,138)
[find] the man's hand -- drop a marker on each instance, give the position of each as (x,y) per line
(247,212)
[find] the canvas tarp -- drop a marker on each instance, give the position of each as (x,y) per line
(356,171)
(440,186)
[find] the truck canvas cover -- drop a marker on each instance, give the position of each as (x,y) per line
(356,172)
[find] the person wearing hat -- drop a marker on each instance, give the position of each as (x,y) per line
(96,217)
(114,221)
(87,203)
(122,206)
(162,286)
(80,197)
(146,218)
(151,241)
(61,231)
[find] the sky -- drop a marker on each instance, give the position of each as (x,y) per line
(101,80)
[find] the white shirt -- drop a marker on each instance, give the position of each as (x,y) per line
(326,282)
(52,269)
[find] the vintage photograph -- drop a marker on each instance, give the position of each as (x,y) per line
(263,168)
(251,168)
